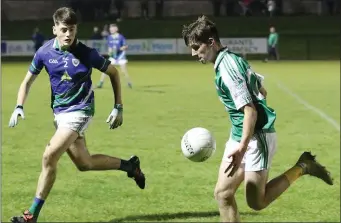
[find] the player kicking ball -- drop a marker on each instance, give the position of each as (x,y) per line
(117,53)
(253,141)
(69,64)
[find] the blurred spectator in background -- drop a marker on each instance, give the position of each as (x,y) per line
(96,34)
(159,8)
(144,9)
(105,32)
(117,47)
(271,7)
(38,39)
(272,44)
(245,7)
(119,5)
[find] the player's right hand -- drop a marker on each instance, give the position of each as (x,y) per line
(18,111)
(236,155)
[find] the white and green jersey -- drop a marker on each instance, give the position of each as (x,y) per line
(237,85)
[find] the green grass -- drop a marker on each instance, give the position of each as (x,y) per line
(169,98)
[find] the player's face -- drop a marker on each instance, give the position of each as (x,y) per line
(113,29)
(66,34)
(205,52)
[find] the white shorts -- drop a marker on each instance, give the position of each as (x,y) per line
(118,62)
(77,121)
(261,149)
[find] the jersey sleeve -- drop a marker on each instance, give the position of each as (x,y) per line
(37,63)
(123,41)
(108,41)
(235,83)
(260,79)
(98,61)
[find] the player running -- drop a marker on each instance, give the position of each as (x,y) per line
(253,141)
(69,64)
(117,53)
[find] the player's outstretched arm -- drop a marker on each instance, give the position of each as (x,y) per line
(249,122)
(114,76)
(123,48)
(115,118)
(124,45)
(21,98)
(25,88)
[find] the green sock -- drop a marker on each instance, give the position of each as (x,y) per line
(36,207)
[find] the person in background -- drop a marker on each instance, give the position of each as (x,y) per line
(117,47)
(38,39)
(105,32)
(96,34)
(272,44)
(271,7)
(145,9)
(244,4)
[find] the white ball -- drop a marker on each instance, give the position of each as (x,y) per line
(198,144)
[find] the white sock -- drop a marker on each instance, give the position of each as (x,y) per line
(102,77)
(125,72)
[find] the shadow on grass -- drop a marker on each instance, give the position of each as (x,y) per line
(155,86)
(153,91)
(170,216)
(152,88)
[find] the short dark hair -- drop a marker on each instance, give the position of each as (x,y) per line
(66,16)
(200,31)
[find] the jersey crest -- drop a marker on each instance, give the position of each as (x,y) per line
(75,62)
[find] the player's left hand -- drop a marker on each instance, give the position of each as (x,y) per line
(115,118)
(236,155)
(18,111)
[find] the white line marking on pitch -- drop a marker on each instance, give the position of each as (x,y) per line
(310,107)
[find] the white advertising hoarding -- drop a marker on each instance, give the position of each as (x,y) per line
(237,45)
(145,46)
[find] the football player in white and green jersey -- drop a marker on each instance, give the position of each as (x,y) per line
(252,142)
(237,85)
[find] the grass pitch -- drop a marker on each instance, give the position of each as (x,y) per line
(169,98)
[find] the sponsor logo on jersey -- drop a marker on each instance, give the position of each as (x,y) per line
(54,61)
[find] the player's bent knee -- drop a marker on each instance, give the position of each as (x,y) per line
(256,206)
(49,160)
(224,197)
(254,198)
(84,167)
(51,156)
